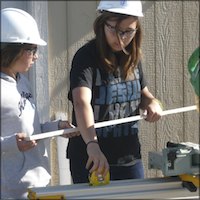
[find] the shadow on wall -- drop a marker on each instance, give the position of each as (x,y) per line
(146,5)
(60,66)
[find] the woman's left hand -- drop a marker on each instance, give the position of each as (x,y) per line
(65,125)
(153,111)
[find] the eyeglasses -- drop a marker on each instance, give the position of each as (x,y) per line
(31,51)
(123,34)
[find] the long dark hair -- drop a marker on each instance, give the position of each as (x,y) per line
(106,56)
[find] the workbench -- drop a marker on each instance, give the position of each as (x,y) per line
(153,188)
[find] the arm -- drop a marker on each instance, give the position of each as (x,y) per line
(151,105)
(85,121)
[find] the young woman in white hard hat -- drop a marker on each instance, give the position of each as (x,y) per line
(24,163)
(107,83)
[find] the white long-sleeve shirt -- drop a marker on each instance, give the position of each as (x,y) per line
(21,170)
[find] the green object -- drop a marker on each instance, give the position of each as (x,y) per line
(194,70)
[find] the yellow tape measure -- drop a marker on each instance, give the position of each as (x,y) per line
(98,180)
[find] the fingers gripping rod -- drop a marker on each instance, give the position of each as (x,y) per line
(107,123)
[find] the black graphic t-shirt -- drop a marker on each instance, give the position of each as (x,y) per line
(112,98)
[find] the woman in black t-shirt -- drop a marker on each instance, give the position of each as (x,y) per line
(107,83)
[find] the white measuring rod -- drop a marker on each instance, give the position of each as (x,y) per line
(107,123)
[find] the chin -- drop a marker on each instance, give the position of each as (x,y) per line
(27,69)
(117,49)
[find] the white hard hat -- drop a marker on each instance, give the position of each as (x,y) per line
(17,26)
(127,7)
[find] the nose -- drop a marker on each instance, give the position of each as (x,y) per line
(122,36)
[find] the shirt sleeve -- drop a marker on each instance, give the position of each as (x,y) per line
(49,126)
(143,81)
(81,74)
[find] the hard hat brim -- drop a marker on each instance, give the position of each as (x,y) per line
(120,11)
(39,42)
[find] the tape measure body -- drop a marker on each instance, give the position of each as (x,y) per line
(98,180)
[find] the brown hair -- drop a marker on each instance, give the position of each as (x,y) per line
(10,52)
(106,56)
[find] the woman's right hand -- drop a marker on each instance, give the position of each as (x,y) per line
(96,159)
(22,144)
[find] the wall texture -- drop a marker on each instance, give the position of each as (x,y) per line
(171,33)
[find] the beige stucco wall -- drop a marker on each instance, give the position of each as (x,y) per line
(171,33)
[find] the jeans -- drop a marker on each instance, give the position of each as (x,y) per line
(131,172)
(80,173)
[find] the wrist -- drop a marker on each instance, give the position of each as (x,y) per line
(91,142)
(59,124)
(62,124)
